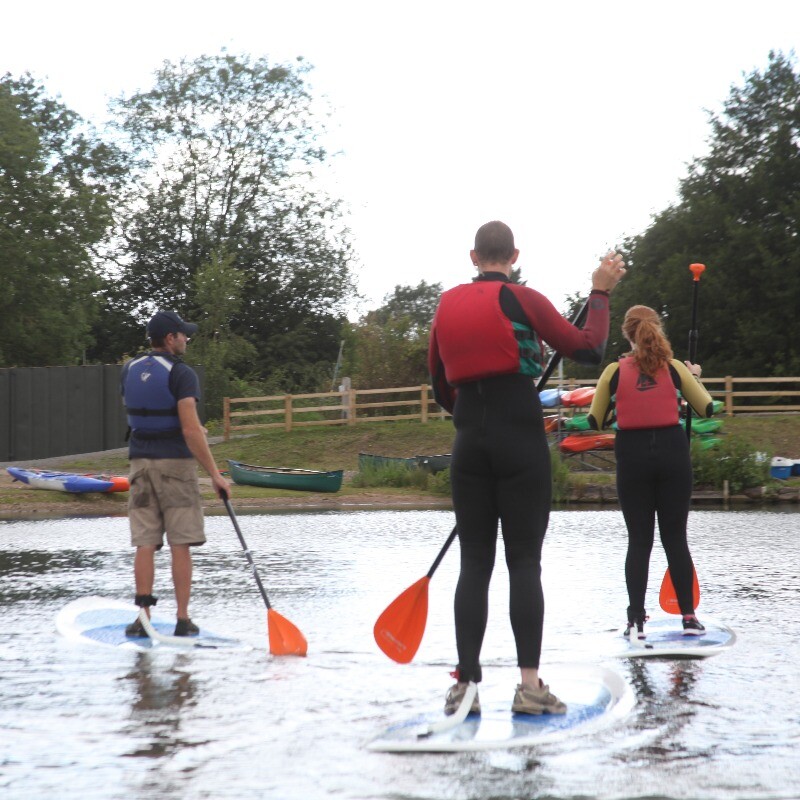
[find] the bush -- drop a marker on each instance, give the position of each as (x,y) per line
(391,475)
(734,460)
(561,476)
(439,482)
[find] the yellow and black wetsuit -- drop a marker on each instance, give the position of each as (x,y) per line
(654,467)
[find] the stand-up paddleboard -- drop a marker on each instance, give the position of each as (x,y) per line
(102,621)
(596,697)
(665,638)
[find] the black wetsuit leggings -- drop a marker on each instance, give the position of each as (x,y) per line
(654,480)
(500,471)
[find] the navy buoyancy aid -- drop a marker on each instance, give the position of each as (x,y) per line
(477,340)
(642,401)
(151,406)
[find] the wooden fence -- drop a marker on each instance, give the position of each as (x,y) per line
(354,406)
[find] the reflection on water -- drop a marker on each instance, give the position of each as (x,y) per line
(159,695)
(103,724)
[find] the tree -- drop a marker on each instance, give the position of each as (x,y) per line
(56,181)
(417,304)
(738,213)
(226,149)
(219,286)
(390,344)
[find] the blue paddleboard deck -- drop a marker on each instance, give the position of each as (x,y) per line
(102,621)
(665,638)
(596,697)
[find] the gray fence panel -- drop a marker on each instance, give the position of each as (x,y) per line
(5,413)
(115,422)
(59,411)
(22,413)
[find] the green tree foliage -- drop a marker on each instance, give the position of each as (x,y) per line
(739,214)
(389,346)
(225,151)
(56,181)
(225,355)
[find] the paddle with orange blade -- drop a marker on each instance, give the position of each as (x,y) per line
(285,638)
(400,628)
(667,598)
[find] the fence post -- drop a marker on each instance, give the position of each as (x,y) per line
(344,390)
(226,417)
(729,395)
(351,407)
(423,399)
(287,411)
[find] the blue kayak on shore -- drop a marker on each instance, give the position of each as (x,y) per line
(68,481)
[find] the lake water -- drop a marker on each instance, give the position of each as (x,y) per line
(102,724)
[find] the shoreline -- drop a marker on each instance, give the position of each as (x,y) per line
(42,503)
(49,504)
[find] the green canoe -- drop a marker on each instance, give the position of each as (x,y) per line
(370,461)
(304,480)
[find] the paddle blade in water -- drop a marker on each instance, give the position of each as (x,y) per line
(669,600)
(399,630)
(284,637)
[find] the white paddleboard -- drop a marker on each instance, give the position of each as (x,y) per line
(596,697)
(102,621)
(665,639)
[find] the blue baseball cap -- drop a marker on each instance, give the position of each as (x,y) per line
(164,322)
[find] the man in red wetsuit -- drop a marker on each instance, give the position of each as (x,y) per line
(485,351)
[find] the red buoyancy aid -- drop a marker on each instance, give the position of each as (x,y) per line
(642,401)
(476,339)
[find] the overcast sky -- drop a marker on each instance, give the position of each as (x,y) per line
(572,122)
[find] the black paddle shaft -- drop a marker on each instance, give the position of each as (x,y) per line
(252,563)
(578,320)
(692,353)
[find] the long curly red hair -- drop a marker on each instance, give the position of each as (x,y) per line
(651,348)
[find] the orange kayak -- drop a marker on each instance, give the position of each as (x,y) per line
(579,443)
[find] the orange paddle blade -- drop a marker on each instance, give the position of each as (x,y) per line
(284,637)
(400,628)
(667,598)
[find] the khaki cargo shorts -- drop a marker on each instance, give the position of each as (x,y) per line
(165,498)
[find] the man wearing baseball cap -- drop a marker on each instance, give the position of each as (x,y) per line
(167,440)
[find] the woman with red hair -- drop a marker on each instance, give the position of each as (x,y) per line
(654,467)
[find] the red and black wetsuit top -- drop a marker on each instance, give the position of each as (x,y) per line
(493,327)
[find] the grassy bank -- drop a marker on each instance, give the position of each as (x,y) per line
(337,447)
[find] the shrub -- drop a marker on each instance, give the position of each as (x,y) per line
(439,482)
(561,476)
(391,475)
(734,460)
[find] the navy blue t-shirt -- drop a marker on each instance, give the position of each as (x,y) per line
(183,383)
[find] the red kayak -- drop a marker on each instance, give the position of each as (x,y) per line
(579,443)
(578,398)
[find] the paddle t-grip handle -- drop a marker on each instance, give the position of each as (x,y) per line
(697,270)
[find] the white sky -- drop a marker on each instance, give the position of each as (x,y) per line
(573,122)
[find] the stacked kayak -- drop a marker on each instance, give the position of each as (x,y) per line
(580,443)
(577,422)
(578,398)
(69,481)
